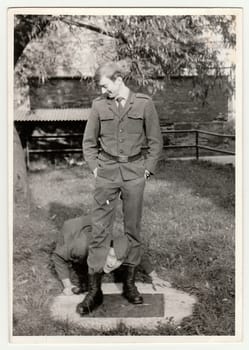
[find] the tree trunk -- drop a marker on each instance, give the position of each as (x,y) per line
(20,181)
(27,27)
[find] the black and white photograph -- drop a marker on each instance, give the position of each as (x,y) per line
(125,152)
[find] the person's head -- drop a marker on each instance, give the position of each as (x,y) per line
(79,249)
(112,262)
(109,77)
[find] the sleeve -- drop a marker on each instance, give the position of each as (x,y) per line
(90,140)
(153,136)
(61,265)
(61,253)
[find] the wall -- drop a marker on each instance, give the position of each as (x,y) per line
(176,110)
(173,104)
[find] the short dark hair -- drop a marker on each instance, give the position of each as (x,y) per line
(109,70)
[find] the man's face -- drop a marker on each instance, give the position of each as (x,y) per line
(109,87)
(112,262)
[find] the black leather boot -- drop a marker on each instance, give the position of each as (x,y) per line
(80,289)
(94,298)
(130,291)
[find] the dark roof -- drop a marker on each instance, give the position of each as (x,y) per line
(55,114)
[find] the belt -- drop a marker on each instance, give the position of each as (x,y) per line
(121,159)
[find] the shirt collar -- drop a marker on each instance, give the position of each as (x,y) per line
(124,95)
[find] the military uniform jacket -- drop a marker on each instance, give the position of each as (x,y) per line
(122,135)
(72,244)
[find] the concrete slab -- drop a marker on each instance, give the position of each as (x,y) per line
(175,306)
(115,305)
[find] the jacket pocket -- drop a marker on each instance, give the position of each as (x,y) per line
(135,123)
(107,124)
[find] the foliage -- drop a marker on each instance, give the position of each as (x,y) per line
(153,46)
(61,49)
(175,45)
(25,29)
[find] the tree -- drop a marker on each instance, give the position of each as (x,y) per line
(164,46)
(25,28)
(156,46)
(171,45)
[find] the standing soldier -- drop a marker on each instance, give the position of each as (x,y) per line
(119,124)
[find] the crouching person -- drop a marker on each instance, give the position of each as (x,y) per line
(70,257)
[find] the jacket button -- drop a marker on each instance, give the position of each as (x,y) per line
(121,140)
(121,130)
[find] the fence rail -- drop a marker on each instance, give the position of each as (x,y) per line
(196,145)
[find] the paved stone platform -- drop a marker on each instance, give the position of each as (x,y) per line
(160,307)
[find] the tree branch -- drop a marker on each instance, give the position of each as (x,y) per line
(94,28)
(26,28)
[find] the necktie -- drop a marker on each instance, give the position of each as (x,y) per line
(120,107)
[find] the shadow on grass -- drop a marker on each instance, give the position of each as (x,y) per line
(60,213)
(206,179)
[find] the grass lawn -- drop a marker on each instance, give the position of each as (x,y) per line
(188,229)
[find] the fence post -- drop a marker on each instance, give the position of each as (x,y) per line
(27,153)
(197,144)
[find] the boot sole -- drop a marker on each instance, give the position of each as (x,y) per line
(87,310)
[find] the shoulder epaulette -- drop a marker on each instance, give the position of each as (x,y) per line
(99,98)
(139,95)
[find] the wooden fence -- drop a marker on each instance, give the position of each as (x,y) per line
(197,146)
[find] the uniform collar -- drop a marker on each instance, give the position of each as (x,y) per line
(127,95)
(128,105)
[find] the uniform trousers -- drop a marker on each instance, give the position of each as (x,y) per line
(105,200)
